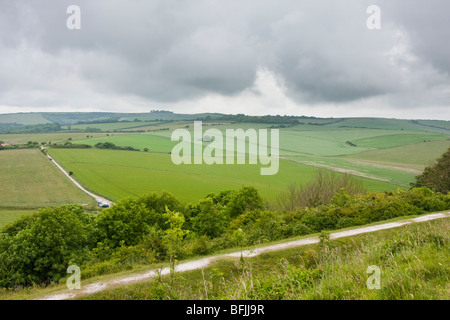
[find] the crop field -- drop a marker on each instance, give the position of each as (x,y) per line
(153,142)
(8,216)
(54,137)
(112,126)
(30,180)
(396,140)
(385,153)
(411,155)
(118,174)
(23,118)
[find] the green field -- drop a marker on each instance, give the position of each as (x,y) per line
(385,153)
(411,155)
(23,118)
(53,137)
(303,149)
(30,180)
(153,142)
(396,140)
(118,174)
(112,126)
(7,216)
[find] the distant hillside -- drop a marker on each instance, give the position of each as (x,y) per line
(39,122)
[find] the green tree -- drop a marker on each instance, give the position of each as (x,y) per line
(211,219)
(39,249)
(131,218)
(126,222)
(436,176)
(246,198)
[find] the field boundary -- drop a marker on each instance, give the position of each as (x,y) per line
(205,262)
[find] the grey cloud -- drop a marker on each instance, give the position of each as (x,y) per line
(170,51)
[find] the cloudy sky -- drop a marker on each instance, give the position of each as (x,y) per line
(295,57)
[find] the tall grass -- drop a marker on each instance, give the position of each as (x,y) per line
(414,261)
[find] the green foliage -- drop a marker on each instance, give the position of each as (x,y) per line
(157,228)
(287,281)
(112,146)
(69,145)
(126,222)
(211,220)
(436,176)
(131,218)
(246,198)
(41,249)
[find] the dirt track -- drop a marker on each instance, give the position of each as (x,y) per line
(97,198)
(203,263)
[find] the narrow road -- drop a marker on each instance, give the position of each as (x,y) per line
(204,262)
(79,186)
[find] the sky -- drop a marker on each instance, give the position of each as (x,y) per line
(318,58)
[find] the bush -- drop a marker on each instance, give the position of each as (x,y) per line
(437,175)
(319,220)
(210,220)
(42,249)
(200,246)
(245,199)
(131,218)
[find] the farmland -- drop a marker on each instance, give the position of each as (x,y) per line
(30,180)
(118,174)
(310,145)
(385,154)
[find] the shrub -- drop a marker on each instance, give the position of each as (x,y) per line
(319,220)
(210,220)
(247,198)
(42,249)
(437,175)
(131,218)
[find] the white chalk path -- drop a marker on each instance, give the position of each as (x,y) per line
(204,262)
(79,186)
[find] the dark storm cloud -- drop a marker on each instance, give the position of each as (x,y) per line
(170,51)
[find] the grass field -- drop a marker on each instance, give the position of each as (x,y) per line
(30,180)
(396,140)
(385,153)
(117,174)
(23,118)
(7,216)
(112,126)
(303,149)
(56,137)
(153,142)
(420,154)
